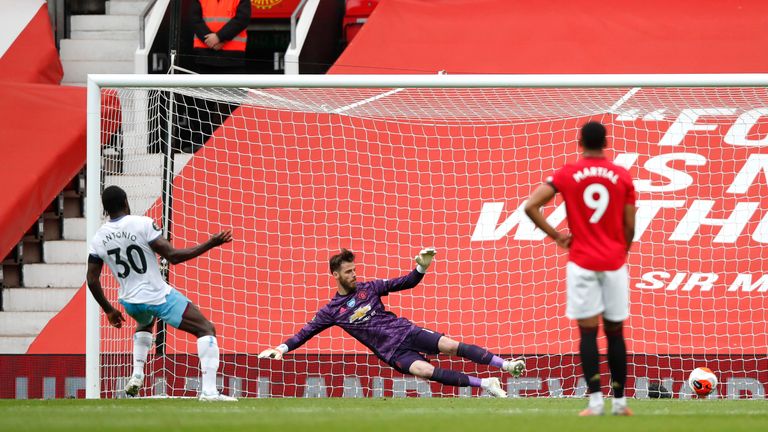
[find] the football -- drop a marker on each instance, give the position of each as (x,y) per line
(702,381)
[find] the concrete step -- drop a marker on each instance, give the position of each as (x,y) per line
(55,275)
(77,71)
(74,229)
(104,22)
(36,299)
(132,35)
(98,50)
(125,7)
(23,323)
(152,164)
(15,344)
(65,252)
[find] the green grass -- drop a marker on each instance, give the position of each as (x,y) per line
(400,415)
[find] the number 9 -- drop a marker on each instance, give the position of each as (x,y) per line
(600,204)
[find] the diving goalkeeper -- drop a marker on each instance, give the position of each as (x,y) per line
(357,308)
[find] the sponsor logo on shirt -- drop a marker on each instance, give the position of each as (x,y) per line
(360,314)
(351,303)
(342,310)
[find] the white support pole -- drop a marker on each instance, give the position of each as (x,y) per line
(436,81)
(93,217)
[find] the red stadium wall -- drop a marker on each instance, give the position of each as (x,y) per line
(560,36)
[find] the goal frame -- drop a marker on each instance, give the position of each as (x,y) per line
(97,82)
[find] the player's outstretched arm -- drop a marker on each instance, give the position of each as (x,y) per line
(274,353)
(163,247)
(423,261)
(540,197)
(320,322)
(114,316)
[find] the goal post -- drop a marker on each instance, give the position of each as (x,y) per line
(304,165)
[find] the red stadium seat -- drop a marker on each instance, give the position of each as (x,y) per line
(356,15)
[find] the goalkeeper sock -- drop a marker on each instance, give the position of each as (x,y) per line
(451,377)
(208,351)
(142,341)
(617,358)
(589,358)
(479,355)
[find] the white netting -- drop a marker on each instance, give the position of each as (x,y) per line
(300,173)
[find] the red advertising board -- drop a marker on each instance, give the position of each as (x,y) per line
(35,376)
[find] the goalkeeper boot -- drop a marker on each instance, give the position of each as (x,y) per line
(596,405)
(515,367)
(216,397)
(493,387)
(135,383)
(620,408)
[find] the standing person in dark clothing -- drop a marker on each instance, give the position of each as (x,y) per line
(220,37)
(357,308)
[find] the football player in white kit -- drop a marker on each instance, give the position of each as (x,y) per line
(128,245)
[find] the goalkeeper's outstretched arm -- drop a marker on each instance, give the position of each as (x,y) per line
(319,323)
(423,261)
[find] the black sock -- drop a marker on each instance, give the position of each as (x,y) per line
(617,357)
(590,363)
(450,377)
(474,353)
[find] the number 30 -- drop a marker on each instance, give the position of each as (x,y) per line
(598,205)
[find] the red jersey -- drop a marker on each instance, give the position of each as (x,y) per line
(595,191)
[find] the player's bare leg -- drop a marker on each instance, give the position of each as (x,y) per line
(142,342)
(426,370)
(479,355)
(590,365)
(617,362)
(193,321)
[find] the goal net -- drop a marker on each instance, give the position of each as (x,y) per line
(300,171)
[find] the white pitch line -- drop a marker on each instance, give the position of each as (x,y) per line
(623,99)
(365,101)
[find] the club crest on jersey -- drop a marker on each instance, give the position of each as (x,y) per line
(154,225)
(351,303)
(360,314)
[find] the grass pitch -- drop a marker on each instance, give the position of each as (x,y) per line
(400,415)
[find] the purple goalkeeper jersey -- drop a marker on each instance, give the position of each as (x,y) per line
(361,314)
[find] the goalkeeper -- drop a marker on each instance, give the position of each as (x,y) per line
(357,308)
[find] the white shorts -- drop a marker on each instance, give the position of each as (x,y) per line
(593,293)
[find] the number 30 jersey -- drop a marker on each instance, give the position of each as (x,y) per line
(595,191)
(123,243)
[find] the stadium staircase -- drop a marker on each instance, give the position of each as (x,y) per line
(102,43)
(44,270)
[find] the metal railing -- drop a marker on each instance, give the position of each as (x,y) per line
(142,24)
(294,15)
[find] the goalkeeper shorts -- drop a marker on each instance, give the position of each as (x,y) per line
(418,341)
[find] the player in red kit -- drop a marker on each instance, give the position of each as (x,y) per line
(600,207)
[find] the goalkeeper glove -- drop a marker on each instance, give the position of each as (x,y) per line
(274,353)
(424,258)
